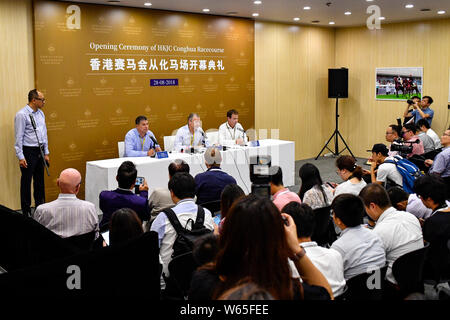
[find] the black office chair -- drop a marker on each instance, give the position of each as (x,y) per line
(408,271)
(213,206)
(178,283)
(358,287)
(324,233)
(437,263)
(83,241)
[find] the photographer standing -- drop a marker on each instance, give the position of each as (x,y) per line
(409,135)
(421,110)
(408,113)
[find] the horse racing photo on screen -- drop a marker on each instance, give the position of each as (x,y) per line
(398,83)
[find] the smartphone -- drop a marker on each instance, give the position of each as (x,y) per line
(139,181)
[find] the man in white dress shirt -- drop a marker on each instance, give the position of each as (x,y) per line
(191,135)
(400,231)
(232,132)
(68,216)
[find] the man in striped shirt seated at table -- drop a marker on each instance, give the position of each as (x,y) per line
(68,216)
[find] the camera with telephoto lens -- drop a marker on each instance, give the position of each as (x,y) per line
(404,148)
(260,175)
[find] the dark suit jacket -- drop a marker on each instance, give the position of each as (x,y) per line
(209,184)
(110,201)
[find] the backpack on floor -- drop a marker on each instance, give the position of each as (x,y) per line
(409,171)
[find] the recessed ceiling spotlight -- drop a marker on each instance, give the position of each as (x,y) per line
(347,13)
(307,8)
(147,4)
(382,18)
(369,0)
(257,2)
(296,19)
(331,22)
(206,10)
(441,12)
(409,6)
(255,14)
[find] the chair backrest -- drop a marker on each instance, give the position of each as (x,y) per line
(121,148)
(181,269)
(366,286)
(213,206)
(83,241)
(213,137)
(324,230)
(408,270)
(169,142)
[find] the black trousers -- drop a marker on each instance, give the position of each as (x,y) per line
(35,171)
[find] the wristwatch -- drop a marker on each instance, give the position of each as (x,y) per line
(297,256)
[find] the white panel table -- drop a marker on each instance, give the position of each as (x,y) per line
(101,175)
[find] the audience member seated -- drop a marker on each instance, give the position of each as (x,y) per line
(281,196)
(230,194)
(351,173)
(313,192)
(124,225)
(328,261)
(399,231)
(424,126)
(360,248)
(409,135)
(68,216)
(387,173)
(436,228)
(254,223)
(427,141)
(440,166)
(246,290)
(209,184)
(160,198)
(392,134)
(123,196)
(182,191)
(402,201)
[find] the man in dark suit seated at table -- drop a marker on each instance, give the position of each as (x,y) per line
(123,196)
(210,184)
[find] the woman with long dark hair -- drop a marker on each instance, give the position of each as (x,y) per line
(313,192)
(230,194)
(124,225)
(351,173)
(256,244)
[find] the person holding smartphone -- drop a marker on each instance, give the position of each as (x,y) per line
(123,196)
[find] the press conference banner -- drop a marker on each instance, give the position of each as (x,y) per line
(101,66)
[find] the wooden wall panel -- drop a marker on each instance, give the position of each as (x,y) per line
(16,79)
(291,71)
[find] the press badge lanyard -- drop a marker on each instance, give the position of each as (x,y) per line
(192,138)
(143,142)
(234,135)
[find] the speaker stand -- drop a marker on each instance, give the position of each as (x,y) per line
(336,136)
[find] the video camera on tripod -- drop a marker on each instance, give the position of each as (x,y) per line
(260,175)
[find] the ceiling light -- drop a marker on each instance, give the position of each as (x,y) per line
(382,18)
(331,22)
(206,10)
(257,2)
(348,13)
(441,12)
(369,0)
(147,4)
(306,8)
(255,14)
(409,6)
(296,19)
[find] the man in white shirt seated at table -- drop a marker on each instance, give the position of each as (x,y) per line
(232,132)
(191,135)
(140,141)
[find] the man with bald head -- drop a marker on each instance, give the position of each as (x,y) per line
(68,216)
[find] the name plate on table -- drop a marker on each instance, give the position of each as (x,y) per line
(254,143)
(162,155)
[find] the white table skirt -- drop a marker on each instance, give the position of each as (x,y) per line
(101,175)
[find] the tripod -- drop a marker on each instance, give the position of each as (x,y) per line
(336,136)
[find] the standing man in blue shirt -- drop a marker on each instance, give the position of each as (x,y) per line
(141,142)
(28,151)
(421,110)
